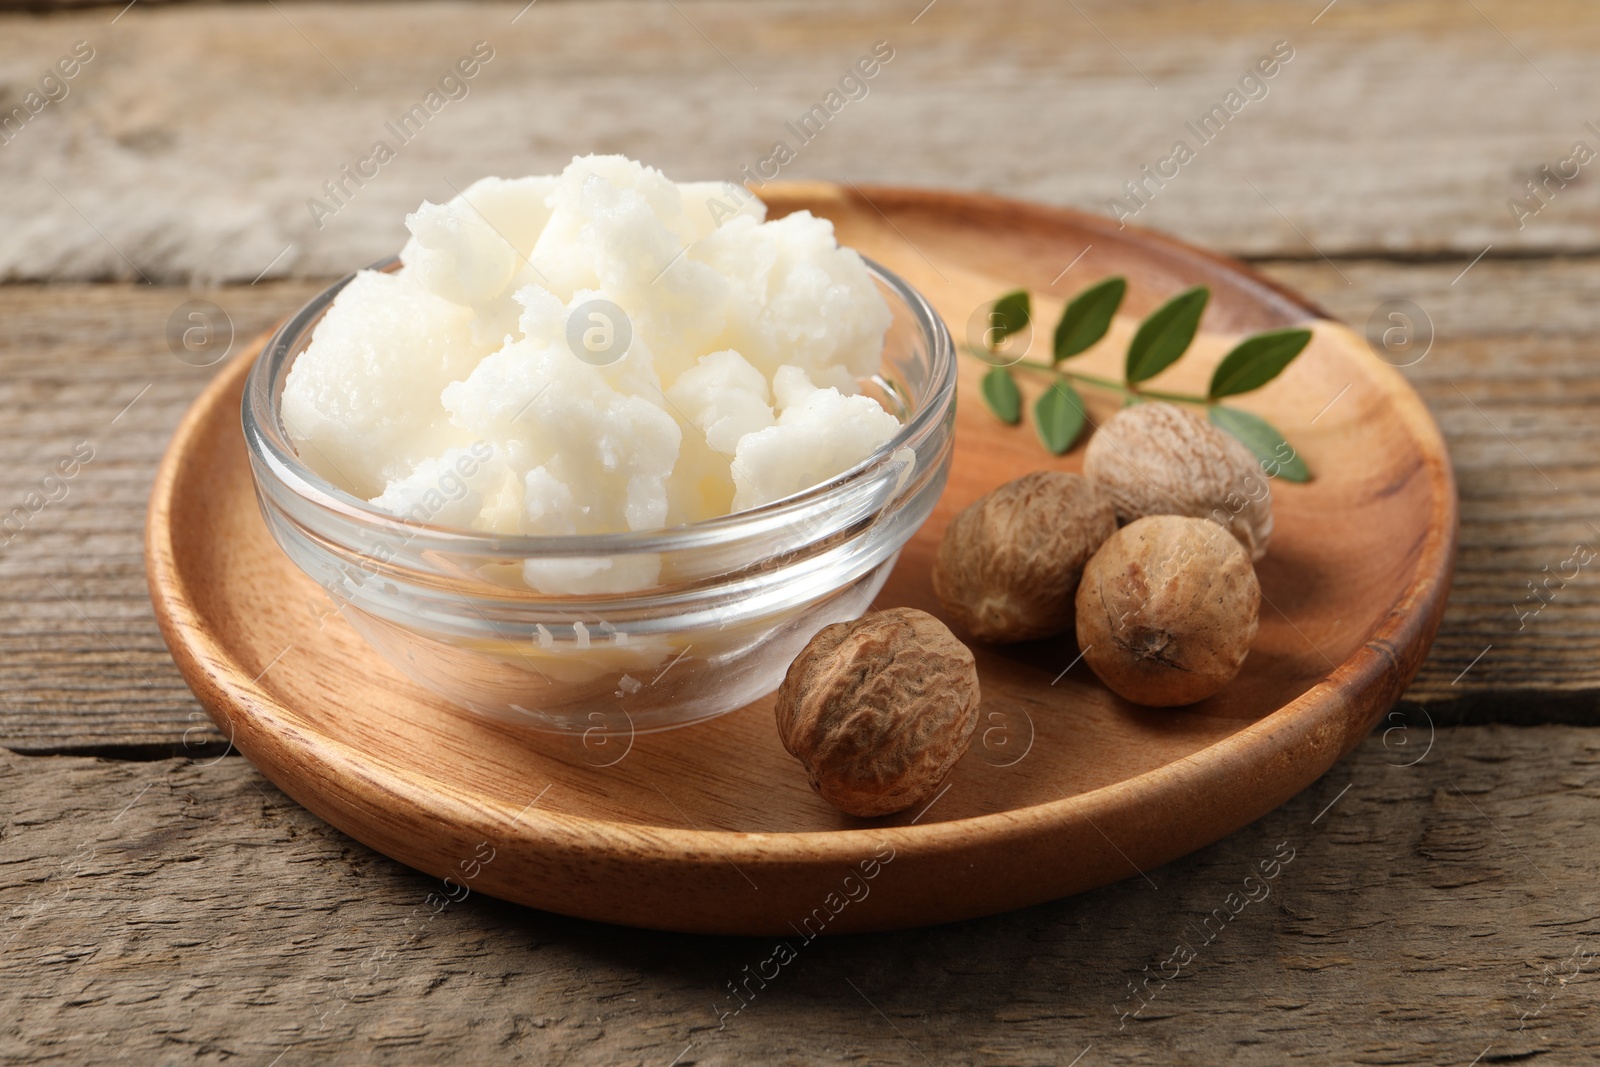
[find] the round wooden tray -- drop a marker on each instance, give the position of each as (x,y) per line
(712,827)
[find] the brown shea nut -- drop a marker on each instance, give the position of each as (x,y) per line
(1167,610)
(1158,459)
(879,709)
(1009,564)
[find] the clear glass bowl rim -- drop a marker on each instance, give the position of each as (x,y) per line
(263,434)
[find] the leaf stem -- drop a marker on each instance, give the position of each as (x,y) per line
(1094,379)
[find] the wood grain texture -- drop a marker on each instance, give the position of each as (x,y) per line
(77,641)
(711,828)
(1513,379)
(1515,338)
(180,910)
(221,925)
(1400,128)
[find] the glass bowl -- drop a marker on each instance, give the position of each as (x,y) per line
(738,596)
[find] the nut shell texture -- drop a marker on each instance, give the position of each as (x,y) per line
(1167,610)
(1158,459)
(1009,564)
(879,709)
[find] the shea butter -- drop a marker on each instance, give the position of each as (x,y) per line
(612,352)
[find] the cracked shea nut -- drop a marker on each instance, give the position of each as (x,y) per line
(1157,459)
(1009,564)
(879,709)
(1167,610)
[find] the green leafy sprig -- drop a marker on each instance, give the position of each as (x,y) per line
(1163,337)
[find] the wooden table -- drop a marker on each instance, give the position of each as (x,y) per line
(164,903)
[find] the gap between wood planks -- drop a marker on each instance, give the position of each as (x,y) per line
(1521,707)
(1421,257)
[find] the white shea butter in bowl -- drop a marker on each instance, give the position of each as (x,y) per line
(599,453)
(595,352)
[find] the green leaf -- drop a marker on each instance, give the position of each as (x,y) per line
(1164,336)
(1058,415)
(1278,458)
(1009,315)
(1257,360)
(1000,393)
(1088,317)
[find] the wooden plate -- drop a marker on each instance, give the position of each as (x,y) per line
(712,828)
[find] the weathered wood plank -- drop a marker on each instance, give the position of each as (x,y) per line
(190,145)
(87,365)
(1513,379)
(187,910)
(1513,353)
